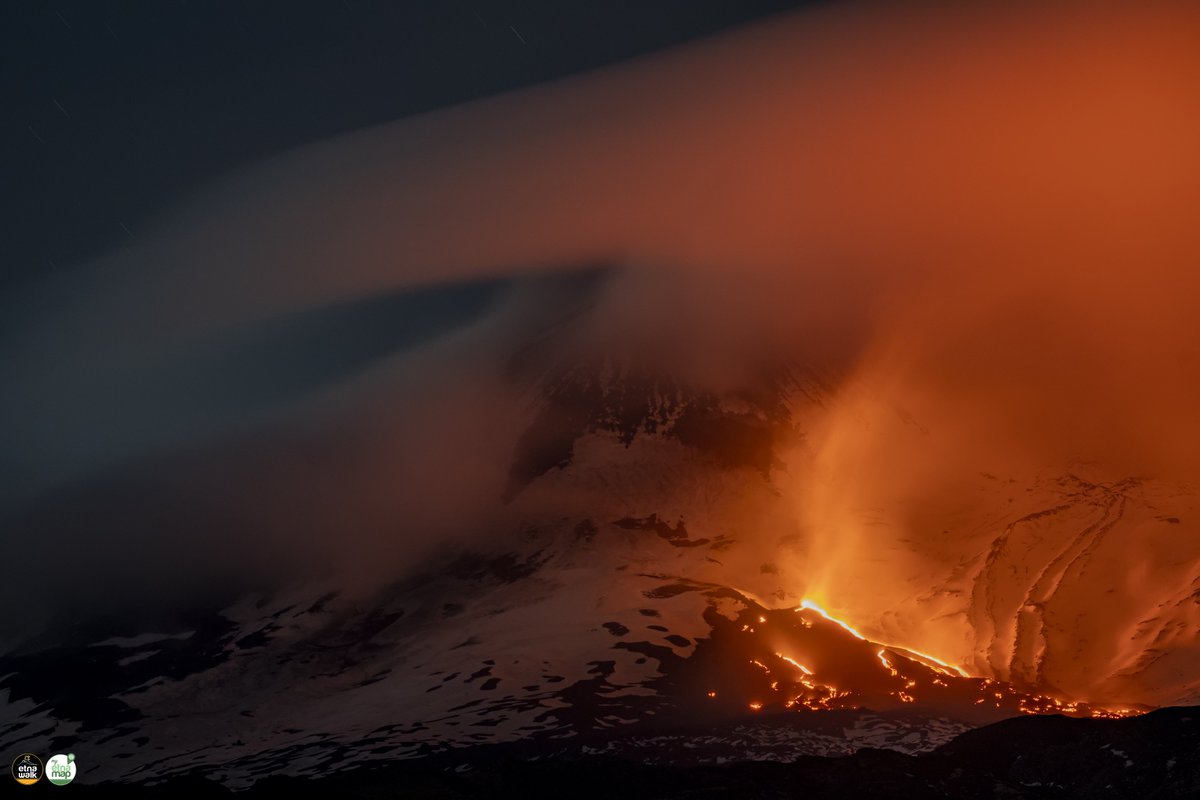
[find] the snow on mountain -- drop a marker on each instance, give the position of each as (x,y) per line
(641,591)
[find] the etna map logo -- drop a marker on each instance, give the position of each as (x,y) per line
(27,769)
(60,769)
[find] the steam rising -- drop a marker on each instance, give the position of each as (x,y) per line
(980,222)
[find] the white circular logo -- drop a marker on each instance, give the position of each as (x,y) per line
(60,769)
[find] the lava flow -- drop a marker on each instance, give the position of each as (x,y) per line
(807,659)
(928,660)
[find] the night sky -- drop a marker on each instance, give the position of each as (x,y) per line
(114,112)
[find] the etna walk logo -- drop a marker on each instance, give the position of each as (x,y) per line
(60,769)
(27,769)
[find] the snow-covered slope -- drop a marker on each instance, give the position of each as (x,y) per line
(638,593)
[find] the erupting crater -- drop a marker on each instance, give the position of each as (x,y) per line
(805,659)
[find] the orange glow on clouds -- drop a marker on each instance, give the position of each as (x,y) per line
(976,219)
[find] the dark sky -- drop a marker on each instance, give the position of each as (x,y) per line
(113,111)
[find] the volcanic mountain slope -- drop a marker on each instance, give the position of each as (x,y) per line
(611,631)
(627,400)
(487,649)
(278,687)
(642,596)
(1069,582)
(1074,579)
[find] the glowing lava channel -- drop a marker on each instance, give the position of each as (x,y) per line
(809,605)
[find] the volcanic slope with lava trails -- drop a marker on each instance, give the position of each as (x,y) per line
(641,589)
(646,665)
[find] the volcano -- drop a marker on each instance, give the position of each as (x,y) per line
(608,625)
(809,407)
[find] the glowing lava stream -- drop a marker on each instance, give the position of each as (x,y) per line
(809,605)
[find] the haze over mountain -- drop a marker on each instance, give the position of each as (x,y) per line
(512,421)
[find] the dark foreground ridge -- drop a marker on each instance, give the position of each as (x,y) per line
(1152,756)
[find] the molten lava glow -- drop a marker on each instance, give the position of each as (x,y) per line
(809,605)
(795,663)
(938,664)
(912,677)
